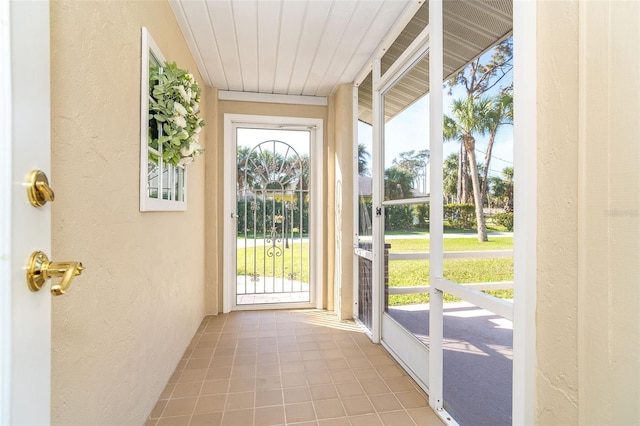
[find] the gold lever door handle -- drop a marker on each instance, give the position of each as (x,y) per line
(40,269)
(38,189)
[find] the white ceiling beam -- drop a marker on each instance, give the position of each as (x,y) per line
(225,95)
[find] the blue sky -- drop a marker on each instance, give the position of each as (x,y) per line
(410,130)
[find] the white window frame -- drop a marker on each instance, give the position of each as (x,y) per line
(147,203)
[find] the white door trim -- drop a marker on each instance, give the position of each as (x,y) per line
(5,213)
(231,122)
(525,138)
(25,333)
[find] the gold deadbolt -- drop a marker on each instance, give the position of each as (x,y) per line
(40,269)
(38,189)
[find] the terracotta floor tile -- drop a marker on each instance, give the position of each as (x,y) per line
(174,421)
(277,368)
(396,418)
(211,419)
(385,402)
(183,390)
(374,386)
(366,420)
(242,385)
(326,391)
(342,421)
(158,409)
(239,401)
(265,398)
(268,382)
(399,384)
(341,376)
(411,399)
(358,405)
(237,418)
(386,371)
(210,404)
(296,413)
(328,408)
(295,395)
(294,380)
(269,416)
(211,387)
(179,407)
(349,389)
(424,416)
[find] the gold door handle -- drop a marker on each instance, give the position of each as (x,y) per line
(38,189)
(40,269)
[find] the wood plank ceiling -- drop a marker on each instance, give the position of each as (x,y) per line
(292,47)
(308,47)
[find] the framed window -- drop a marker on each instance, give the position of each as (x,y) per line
(163,186)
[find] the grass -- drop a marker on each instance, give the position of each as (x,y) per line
(450,244)
(407,273)
(297,253)
(401,272)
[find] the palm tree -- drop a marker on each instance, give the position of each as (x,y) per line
(501,113)
(363,160)
(244,175)
(469,119)
(450,176)
(397,183)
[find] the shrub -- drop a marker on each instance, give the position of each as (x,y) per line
(398,217)
(422,213)
(504,219)
(460,215)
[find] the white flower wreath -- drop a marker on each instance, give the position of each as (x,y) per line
(174,122)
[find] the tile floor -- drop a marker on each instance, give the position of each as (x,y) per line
(288,368)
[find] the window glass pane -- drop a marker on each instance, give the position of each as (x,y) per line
(166,181)
(406,136)
(153,180)
(179,183)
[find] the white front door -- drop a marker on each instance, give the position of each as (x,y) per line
(25,316)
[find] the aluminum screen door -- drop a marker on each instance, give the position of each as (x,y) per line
(272,197)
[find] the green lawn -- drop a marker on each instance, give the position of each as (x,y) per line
(450,244)
(401,272)
(269,266)
(405,273)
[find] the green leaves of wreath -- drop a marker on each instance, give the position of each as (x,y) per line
(174,122)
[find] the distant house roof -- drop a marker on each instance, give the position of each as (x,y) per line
(365,186)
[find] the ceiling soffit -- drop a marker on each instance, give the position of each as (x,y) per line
(471,27)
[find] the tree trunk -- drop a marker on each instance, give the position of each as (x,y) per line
(482,226)
(463,167)
(460,175)
(487,161)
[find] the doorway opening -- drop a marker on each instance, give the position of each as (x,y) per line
(272,198)
(271,186)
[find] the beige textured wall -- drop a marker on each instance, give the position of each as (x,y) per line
(344,152)
(125,323)
(588,321)
(557,376)
(269,109)
(609,214)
